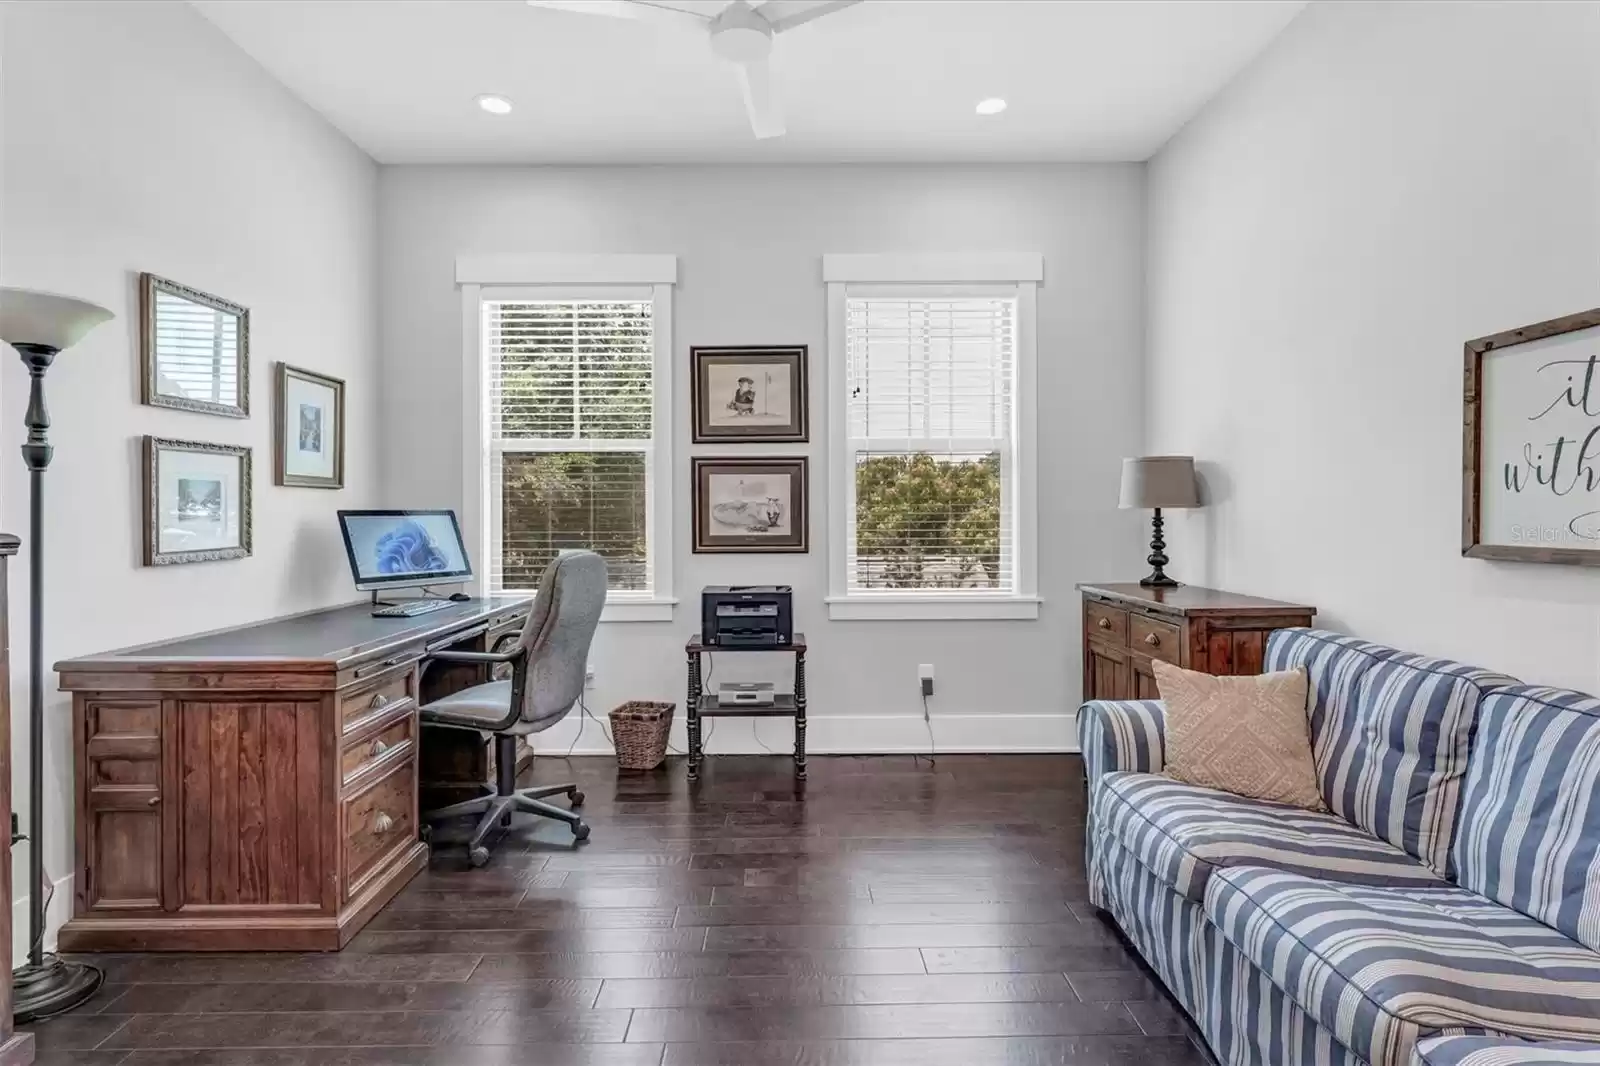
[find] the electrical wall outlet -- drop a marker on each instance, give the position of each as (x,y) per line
(588,677)
(927,686)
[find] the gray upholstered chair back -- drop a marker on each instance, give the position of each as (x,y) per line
(558,633)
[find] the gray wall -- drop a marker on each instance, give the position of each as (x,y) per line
(1389,180)
(749,243)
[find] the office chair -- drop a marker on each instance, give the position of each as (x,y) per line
(547,675)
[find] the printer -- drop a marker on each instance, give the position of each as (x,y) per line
(747,616)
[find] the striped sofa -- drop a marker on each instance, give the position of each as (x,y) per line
(1445,911)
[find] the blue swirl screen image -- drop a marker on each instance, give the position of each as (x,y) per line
(387,546)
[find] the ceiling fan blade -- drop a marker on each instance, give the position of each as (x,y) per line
(638,10)
(787,14)
(761,99)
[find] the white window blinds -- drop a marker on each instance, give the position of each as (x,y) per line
(569,401)
(931,430)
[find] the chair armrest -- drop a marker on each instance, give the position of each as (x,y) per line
(1122,735)
(491,657)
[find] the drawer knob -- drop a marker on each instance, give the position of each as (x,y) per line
(1103,623)
(153,801)
(378,748)
(379,700)
(382,823)
(1152,640)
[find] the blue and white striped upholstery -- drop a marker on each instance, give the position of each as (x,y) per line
(1182,833)
(1402,778)
(1162,924)
(1382,967)
(1530,821)
(1117,735)
(1247,1019)
(1503,1051)
(1390,733)
(1122,735)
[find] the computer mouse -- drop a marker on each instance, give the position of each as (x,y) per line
(460,597)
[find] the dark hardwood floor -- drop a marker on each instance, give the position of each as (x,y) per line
(895,911)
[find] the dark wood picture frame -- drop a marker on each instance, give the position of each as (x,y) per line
(280,429)
(153,555)
(1472,475)
(796,468)
(795,356)
(150,379)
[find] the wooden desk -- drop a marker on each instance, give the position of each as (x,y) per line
(255,789)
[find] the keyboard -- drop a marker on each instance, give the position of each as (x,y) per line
(410,608)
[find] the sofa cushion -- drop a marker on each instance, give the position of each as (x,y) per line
(1399,775)
(1390,733)
(1183,833)
(1503,1051)
(1530,821)
(1382,967)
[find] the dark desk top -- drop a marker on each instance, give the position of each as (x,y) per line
(1192,599)
(326,639)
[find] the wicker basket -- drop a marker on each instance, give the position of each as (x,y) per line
(639,731)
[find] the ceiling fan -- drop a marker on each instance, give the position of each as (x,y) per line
(740,32)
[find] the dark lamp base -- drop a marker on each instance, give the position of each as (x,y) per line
(53,987)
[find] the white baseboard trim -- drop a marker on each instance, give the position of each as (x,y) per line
(870,734)
(55,916)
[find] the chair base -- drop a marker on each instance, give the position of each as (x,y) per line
(495,810)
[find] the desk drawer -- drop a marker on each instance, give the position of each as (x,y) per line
(361,703)
(1105,623)
(377,820)
(386,743)
(1159,640)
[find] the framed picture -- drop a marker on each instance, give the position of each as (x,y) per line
(751,505)
(750,394)
(1530,486)
(196,502)
(308,429)
(195,349)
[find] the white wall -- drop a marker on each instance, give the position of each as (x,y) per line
(138,138)
(749,243)
(1388,181)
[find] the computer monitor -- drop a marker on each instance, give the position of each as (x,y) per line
(396,549)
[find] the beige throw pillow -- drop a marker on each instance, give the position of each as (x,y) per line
(1247,735)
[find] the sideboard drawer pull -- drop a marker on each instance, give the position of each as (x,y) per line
(382,823)
(378,748)
(1152,640)
(378,700)
(1103,623)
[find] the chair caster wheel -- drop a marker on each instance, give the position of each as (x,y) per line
(580,831)
(478,857)
(577,798)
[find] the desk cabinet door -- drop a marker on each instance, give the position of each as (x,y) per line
(121,782)
(253,779)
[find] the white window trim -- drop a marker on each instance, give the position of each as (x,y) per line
(572,278)
(1021,273)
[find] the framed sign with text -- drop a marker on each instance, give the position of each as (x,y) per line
(1531,462)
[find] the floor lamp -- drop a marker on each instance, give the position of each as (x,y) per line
(39,325)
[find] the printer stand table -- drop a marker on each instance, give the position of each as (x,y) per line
(784,705)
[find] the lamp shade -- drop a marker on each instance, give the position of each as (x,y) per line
(1159,481)
(46,319)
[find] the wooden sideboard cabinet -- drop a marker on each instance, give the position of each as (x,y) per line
(255,789)
(1126,626)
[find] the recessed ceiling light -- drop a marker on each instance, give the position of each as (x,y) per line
(992,106)
(499,105)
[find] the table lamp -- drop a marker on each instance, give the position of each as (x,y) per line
(39,325)
(1158,481)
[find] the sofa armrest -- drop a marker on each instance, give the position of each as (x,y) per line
(1121,735)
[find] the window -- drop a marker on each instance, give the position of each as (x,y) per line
(932,418)
(572,433)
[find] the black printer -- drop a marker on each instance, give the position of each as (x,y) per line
(750,616)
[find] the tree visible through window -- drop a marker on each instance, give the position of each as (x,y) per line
(570,395)
(930,427)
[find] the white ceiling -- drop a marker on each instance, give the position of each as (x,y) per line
(885,80)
